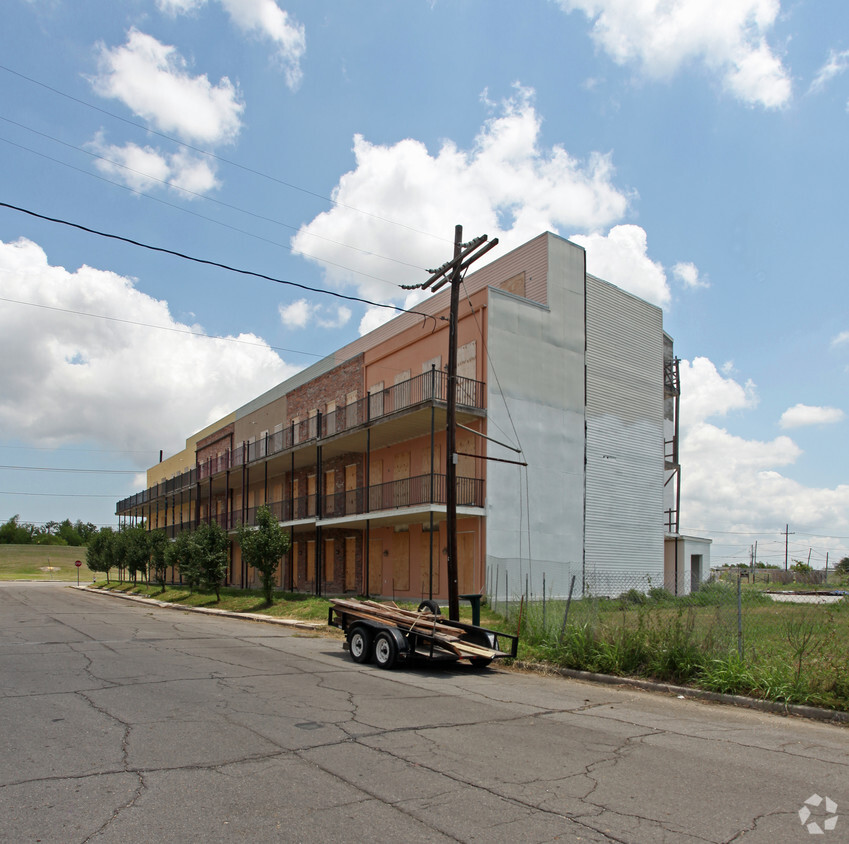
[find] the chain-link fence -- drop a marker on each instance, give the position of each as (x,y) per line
(785,641)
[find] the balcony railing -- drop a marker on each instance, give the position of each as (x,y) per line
(394,495)
(432,385)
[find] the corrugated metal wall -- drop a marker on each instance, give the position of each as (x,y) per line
(624,418)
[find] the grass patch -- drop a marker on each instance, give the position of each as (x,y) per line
(794,653)
(43,562)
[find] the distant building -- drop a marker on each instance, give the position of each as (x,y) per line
(350,453)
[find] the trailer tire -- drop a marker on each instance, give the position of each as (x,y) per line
(480,662)
(427,604)
(385,650)
(360,644)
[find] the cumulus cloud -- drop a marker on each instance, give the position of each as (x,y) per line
(621,258)
(802,415)
(145,168)
(706,393)
(840,339)
(301,313)
(505,185)
(127,385)
(152,79)
(687,274)
(734,483)
(726,36)
(263,18)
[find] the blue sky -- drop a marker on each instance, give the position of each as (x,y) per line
(697,150)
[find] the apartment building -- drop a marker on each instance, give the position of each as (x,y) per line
(574,373)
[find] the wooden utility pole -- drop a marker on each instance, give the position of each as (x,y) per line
(465,254)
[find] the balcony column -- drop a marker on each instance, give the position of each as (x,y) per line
(228,504)
(319,512)
(432,444)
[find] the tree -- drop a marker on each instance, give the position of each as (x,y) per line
(182,553)
(213,550)
(14,533)
(100,554)
(136,551)
(263,547)
(843,566)
(158,543)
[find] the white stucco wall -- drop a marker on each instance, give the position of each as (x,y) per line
(537,353)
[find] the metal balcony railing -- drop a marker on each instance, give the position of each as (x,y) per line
(432,385)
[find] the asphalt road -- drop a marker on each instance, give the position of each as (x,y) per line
(127,723)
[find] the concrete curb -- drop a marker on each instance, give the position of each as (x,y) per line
(831,716)
(250,616)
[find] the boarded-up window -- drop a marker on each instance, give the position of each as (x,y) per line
(330,493)
(429,541)
(350,563)
(401,561)
(375,402)
(310,495)
(401,391)
(329,560)
(351,409)
(375,566)
(466,562)
(515,285)
(431,385)
(311,561)
(467,369)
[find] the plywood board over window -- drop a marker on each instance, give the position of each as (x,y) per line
(375,566)
(350,563)
(400,562)
(311,561)
(466,562)
(329,560)
(515,285)
(429,540)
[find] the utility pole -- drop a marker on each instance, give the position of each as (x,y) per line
(787,533)
(465,254)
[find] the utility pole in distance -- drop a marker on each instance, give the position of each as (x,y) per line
(465,254)
(787,533)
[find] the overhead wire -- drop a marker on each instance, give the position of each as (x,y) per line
(217,264)
(202,196)
(217,157)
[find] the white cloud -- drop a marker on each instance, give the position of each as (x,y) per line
(621,258)
(131,386)
(263,17)
(733,483)
(836,64)
(145,168)
(300,313)
(801,415)
(506,185)
(688,274)
(706,393)
(840,339)
(152,79)
(662,36)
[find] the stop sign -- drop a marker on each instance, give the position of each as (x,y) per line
(77,563)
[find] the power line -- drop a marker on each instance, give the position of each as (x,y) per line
(217,264)
(85,471)
(202,196)
(217,157)
(161,327)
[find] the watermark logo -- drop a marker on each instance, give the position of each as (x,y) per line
(829,822)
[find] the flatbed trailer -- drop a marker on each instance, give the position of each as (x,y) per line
(390,635)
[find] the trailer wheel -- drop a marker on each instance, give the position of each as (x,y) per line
(359,644)
(385,650)
(427,604)
(480,662)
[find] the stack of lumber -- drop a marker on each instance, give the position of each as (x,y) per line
(442,632)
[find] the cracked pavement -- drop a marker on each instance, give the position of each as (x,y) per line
(122,723)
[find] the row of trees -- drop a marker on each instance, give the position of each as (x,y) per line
(200,556)
(16,532)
